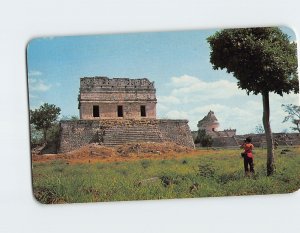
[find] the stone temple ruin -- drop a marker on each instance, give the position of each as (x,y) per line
(118,111)
(104,98)
(220,138)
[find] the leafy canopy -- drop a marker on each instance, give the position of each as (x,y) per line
(262,59)
(44,117)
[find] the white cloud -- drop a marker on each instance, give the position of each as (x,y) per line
(161,107)
(38,85)
(33,96)
(168,99)
(184,80)
(285,99)
(191,98)
(34,73)
(226,115)
(175,114)
(188,89)
(206,108)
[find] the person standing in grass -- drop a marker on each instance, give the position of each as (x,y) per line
(248,155)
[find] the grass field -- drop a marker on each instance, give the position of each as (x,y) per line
(211,173)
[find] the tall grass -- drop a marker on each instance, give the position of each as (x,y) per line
(215,173)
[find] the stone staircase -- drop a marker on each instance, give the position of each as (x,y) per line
(120,135)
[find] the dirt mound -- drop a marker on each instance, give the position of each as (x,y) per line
(91,150)
(95,152)
(151,148)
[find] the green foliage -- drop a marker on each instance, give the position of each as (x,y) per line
(204,175)
(51,136)
(36,135)
(259,129)
(53,133)
(206,170)
(44,118)
(262,59)
(293,115)
(204,139)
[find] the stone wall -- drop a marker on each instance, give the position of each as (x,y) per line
(225,142)
(113,132)
(176,131)
(282,139)
(97,83)
(131,110)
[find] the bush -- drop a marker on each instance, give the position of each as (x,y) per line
(37,135)
(204,139)
(53,133)
(206,170)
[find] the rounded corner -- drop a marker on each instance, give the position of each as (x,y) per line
(29,42)
(37,200)
(291,29)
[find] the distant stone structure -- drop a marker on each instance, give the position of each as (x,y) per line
(220,138)
(118,111)
(123,98)
(209,123)
(281,139)
(228,137)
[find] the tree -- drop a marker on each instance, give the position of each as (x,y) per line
(204,139)
(44,117)
(293,112)
(35,135)
(263,60)
(259,129)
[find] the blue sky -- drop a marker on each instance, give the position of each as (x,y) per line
(187,86)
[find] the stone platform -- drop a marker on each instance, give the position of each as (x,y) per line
(114,132)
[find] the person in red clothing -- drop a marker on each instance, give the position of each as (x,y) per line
(248,155)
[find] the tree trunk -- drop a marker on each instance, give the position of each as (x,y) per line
(45,135)
(297,125)
(268,133)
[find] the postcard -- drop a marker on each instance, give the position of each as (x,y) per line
(164,115)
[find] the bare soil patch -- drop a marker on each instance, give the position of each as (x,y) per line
(133,151)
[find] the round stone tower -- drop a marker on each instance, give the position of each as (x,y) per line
(209,123)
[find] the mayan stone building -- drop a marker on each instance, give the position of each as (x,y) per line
(118,111)
(105,98)
(211,125)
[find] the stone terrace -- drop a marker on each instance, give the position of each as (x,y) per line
(114,132)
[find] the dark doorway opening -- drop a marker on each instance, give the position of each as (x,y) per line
(96,112)
(143,111)
(120,111)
